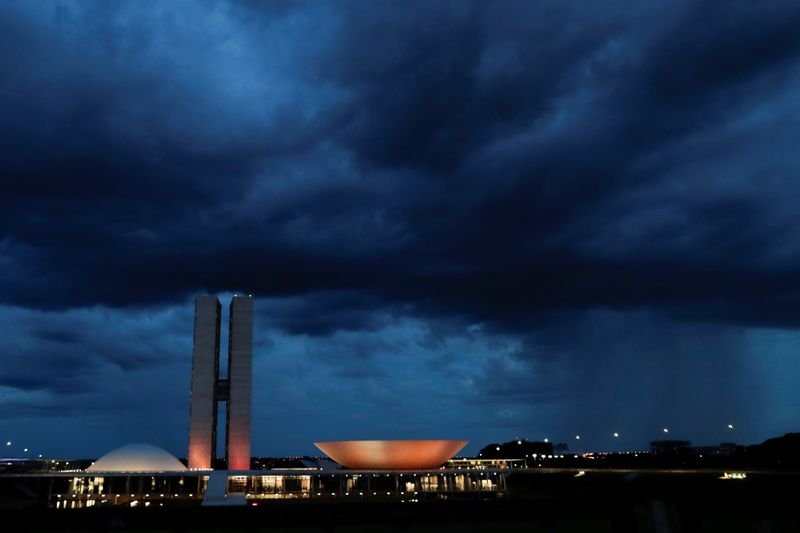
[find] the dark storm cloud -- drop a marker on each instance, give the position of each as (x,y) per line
(502,136)
(507,173)
(344,310)
(66,353)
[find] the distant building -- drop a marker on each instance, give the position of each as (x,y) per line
(726,449)
(516,449)
(473,463)
(669,446)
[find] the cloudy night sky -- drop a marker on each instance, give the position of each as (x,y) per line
(478,220)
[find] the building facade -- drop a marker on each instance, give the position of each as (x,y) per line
(161,489)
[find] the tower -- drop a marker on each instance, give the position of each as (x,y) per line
(208,389)
(240,383)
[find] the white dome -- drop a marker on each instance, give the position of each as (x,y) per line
(137,458)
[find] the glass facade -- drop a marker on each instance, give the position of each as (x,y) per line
(355,485)
(76,491)
(70,492)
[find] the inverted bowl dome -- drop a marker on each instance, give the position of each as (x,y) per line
(391,454)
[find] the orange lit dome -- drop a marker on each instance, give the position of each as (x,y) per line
(391,454)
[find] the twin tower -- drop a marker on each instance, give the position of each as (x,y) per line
(209,389)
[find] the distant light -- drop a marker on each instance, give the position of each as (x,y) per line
(519,442)
(666,430)
(730,426)
(498,448)
(40,456)
(545,439)
(616,435)
(577,437)
(8,443)
(25,450)
(733,475)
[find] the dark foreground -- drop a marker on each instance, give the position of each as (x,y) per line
(548,502)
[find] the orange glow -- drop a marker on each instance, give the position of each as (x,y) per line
(391,454)
(199,456)
(239,454)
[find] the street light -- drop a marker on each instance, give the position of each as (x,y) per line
(577,437)
(730,426)
(666,430)
(616,435)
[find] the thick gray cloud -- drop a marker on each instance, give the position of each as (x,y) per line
(552,187)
